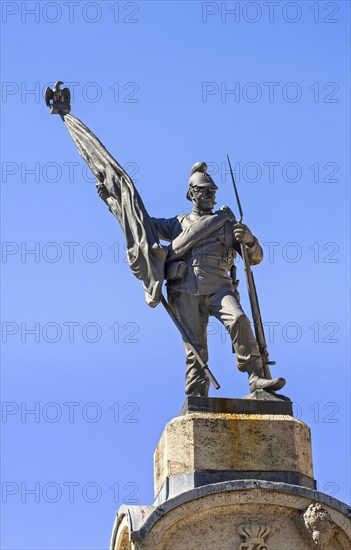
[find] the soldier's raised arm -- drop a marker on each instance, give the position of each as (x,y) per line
(167,228)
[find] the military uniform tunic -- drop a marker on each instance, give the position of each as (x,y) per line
(207,289)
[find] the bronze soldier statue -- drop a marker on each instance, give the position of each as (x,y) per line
(196,264)
(200,286)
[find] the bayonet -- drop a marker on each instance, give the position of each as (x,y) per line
(255,308)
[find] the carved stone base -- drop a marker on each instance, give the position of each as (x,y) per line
(317,526)
(234,481)
(203,447)
(236,515)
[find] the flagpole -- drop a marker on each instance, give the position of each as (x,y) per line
(103,165)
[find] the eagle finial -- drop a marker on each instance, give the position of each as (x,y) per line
(58,100)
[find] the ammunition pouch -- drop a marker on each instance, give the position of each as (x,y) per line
(175,271)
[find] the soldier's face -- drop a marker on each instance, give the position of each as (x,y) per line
(203,198)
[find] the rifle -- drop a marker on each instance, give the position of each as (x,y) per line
(255,308)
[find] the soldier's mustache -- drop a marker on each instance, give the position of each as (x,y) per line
(211,199)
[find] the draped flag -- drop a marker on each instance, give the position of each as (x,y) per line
(146,256)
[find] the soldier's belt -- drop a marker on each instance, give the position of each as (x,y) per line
(176,270)
(207,260)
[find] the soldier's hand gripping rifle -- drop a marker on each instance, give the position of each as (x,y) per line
(255,308)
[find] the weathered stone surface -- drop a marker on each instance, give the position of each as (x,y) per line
(221,516)
(224,442)
(318,526)
(206,503)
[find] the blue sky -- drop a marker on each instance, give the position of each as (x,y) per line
(163,85)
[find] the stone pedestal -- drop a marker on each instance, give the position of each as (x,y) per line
(202,448)
(234,480)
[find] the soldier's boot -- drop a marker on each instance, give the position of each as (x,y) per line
(257,382)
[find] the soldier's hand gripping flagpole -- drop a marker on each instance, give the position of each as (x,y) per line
(255,308)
